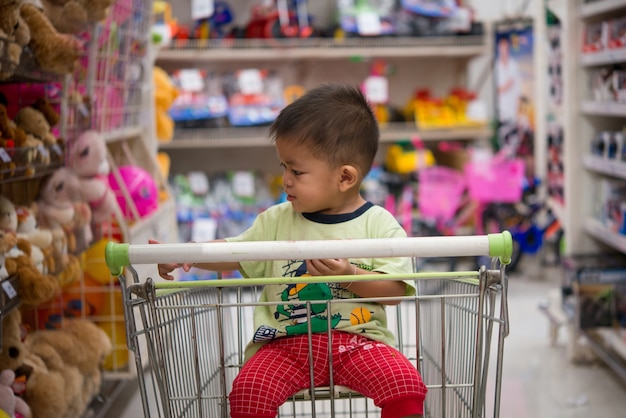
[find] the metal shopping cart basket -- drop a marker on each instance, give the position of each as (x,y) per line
(188,338)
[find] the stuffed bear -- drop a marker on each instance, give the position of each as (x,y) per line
(33,287)
(67,16)
(62,367)
(34,123)
(15,35)
(55,52)
(41,238)
(23,156)
(61,207)
(10,222)
(165,92)
(88,160)
(74,16)
(82,345)
(11,406)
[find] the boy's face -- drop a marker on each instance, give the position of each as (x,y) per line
(311,184)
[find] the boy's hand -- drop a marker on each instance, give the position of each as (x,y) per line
(330,267)
(166,269)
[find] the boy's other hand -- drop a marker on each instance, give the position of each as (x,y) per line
(166,269)
(329,267)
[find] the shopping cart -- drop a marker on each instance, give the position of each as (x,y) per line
(188,338)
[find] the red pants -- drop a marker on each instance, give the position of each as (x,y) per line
(281,368)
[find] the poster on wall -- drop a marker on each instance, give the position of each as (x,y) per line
(513,77)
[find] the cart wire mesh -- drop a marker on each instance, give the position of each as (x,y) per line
(188,338)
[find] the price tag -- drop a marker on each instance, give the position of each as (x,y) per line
(376,89)
(243,184)
(198,183)
(368,24)
(57,149)
(191,80)
(250,81)
(9,289)
(202,9)
(4,156)
(44,151)
(203,230)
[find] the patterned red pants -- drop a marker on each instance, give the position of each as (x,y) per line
(281,368)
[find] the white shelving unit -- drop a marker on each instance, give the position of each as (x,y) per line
(438,63)
(584,118)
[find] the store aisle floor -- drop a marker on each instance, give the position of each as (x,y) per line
(538,379)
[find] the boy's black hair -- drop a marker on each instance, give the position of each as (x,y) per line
(335,122)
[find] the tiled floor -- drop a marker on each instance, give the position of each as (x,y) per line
(538,379)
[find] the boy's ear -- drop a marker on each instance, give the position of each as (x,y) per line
(349,177)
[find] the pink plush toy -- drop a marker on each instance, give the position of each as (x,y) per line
(88,160)
(10,405)
(62,210)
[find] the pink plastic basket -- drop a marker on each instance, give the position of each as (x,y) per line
(440,192)
(495,180)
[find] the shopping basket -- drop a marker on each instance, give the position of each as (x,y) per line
(188,338)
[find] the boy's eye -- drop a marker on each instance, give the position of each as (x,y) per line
(296,172)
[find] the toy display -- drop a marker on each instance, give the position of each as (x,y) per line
(201,103)
(363,18)
(255,97)
(284,19)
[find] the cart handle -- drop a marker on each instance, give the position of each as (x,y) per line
(498,245)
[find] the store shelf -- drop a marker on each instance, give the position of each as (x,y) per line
(597,230)
(605,166)
(122,134)
(245,50)
(258,136)
(606,57)
(590,107)
(608,346)
(596,8)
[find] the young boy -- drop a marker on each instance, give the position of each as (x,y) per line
(326,143)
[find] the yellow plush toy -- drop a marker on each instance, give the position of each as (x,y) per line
(164,95)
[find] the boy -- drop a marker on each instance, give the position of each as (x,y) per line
(326,142)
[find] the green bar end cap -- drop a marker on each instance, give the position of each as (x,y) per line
(501,245)
(116,256)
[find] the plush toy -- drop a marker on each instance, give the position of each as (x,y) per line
(88,160)
(80,346)
(15,34)
(41,238)
(61,367)
(74,16)
(164,95)
(11,406)
(23,152)
(10,221)
(34,287)
(61,208)
(54,52)
(34,123)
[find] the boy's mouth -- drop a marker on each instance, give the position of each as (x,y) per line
(290,198)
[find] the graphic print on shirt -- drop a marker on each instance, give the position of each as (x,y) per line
(292,316)
(295,309)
